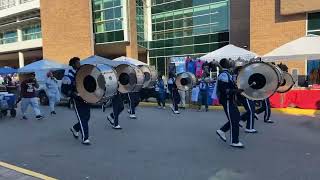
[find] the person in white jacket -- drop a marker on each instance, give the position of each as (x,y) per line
(52,91)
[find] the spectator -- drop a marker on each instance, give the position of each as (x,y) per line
(52,91)
(28,94)
(203,95)
(1,80)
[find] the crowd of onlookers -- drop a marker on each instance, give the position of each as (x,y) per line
(9,79)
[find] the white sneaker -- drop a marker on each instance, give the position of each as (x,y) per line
(222,135)
(269,121)
(110,119)
(117,127)
(74,133)
(237,145)
(86,142)
(176,112)
(164,107)
(159,107)
(250,130)
(132,116)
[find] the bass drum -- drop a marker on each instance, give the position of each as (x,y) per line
(287,84)
(96,83)
(259,80)
(130,77)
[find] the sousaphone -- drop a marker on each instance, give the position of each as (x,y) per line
(96,83)
(150,76)
(259,80)
(130,77)
(185,81)
(287,83)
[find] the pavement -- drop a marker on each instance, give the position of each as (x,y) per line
(160,146)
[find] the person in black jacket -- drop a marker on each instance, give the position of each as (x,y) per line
(226,91)
(81,108)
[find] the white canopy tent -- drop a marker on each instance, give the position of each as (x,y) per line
(94,60)
(129,60)
(229,51)
(304,48)
(42,65)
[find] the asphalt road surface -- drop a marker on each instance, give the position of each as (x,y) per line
(162,146)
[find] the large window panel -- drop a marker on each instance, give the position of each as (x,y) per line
(314,21)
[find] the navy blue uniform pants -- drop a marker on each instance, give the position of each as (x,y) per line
(133,101)
(82,111)
(233,116)
(248,116)
(117,106)
(265,108)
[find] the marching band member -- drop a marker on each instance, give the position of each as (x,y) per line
(248,105)
(117,108)
(133,101)
(174,93)
(226,91)
(249,115)
(161,93)
(266,109)
(81,108)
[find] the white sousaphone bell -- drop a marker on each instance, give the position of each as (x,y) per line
(98,79)
(260,80)
(185,81)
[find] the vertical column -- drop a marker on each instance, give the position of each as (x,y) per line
(21,59)
(132,49)
(19,32)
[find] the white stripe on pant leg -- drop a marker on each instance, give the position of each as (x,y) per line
(251,114)
(79,119)
(266,111)
(229,121)
(130,105)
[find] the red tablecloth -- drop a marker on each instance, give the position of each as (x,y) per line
(304,99)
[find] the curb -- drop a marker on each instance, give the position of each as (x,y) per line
(25,171)
(287,111)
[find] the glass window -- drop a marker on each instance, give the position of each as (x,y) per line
(109,26)
(314,21)
(201,20)
(118,36)
(118,24)
(178,14)
(97,5)
(107,3)
(188,50)
(178,23)
(201,30)
(169,25)
(108,14)
(117,12)
(201,48)
(201,10)
(117,2)
(201,39)
(188,41)
(31,32)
